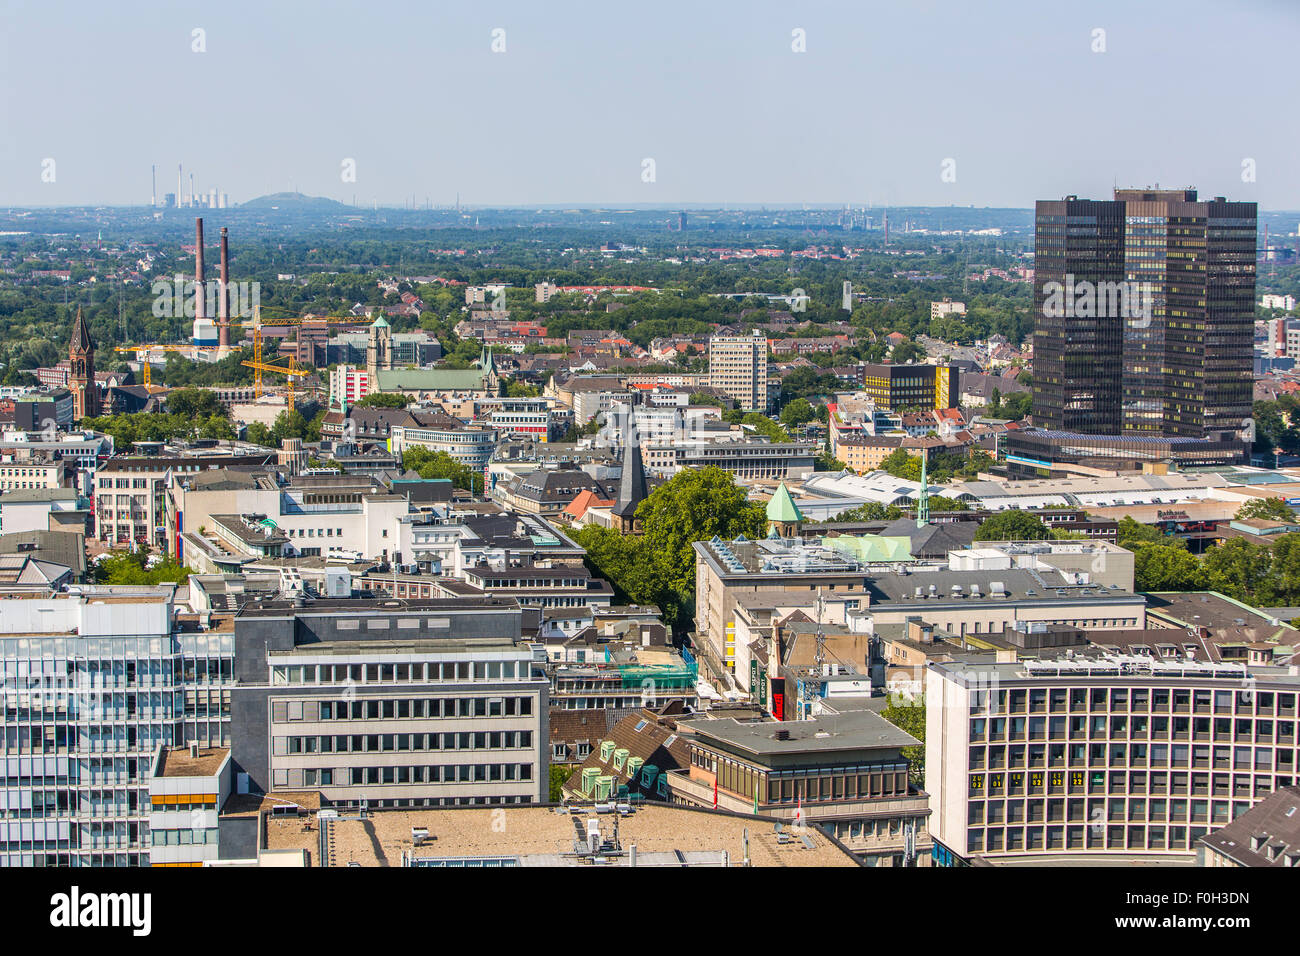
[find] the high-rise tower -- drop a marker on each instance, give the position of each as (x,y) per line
(1144,315)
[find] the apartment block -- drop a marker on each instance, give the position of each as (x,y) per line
(738,367)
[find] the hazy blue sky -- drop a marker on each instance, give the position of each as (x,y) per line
(712,91)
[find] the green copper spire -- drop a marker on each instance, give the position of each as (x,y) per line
(781,508)
(923,506)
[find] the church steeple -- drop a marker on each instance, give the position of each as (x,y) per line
(81,370)
(631,487)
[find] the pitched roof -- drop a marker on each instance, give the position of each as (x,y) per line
(1268,834)
(81,340)
(585,500)
(631,485)
(782,506)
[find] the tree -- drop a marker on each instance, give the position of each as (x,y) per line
(132,567)
(909,717)
(518,389)
(871,511)
(798,412)
(384,400)
(1131,533)
(658,567)
(1283,584)
(692,506)
(940,503)
(430,464)
(905,352)
(1265,509)
(902,464)
(194,403)
(1012,526)
(558,777)
(1236,568)
(1164,567)
(259,434)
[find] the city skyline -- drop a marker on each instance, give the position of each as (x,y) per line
(565,111)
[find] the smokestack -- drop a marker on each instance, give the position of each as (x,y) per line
(180,180)
(223,297)
(194,201)
(153,188)
(200,292)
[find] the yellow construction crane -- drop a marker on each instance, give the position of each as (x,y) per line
(289,368)
(144,363)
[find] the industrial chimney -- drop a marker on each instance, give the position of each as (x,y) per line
(223,297)
(200,290)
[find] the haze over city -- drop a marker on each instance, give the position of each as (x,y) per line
(1026,99)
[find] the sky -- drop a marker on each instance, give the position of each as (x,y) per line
(924,102)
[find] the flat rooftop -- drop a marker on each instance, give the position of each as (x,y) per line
(539,836)
(413,646)
(361,605)
(851,730)
(179,762)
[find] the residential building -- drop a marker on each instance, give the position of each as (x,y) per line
(738,366)
(348,385)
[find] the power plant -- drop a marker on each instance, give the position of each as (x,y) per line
(212,199)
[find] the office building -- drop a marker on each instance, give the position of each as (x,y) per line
(1144,312)
(96,681)
(844,771)
(897,387)
(1118,758)
(389,704)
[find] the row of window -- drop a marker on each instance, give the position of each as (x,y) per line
(418,774)
(1135,727)
(183,837)
(1098,811)
(419,672)
(406,709)
(1083,838)
(379,743)
(1244,701)
(1055,782)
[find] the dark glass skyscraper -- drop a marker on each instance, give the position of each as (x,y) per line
(1144,315)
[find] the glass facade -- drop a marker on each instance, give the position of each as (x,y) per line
(1164,346)
(82,719)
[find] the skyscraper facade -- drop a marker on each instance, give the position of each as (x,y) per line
(1144,316)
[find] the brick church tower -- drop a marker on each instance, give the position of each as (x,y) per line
(81,376)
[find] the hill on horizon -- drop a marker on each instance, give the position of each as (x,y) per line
(292,201)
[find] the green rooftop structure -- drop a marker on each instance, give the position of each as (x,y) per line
(871,548)
(783,515)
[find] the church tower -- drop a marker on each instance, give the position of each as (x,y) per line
(379,351)
(81,375)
